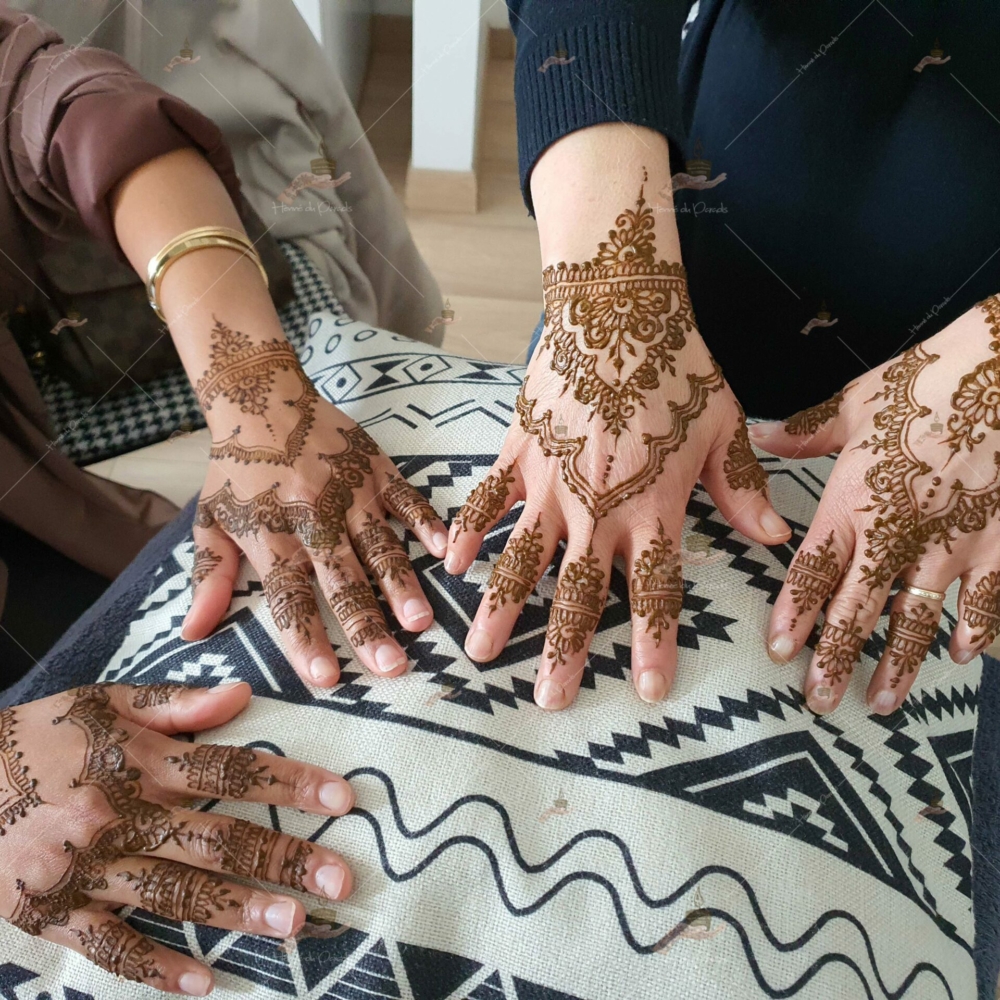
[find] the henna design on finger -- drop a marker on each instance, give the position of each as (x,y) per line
(381,551)
(220,771)
(120,950)
(809,420)
(839,648)
(205,560)
(251,851)
(576,607)
(614,322)
(181,893)
(741,468)
(243,373)
(21,791)
(908,638)
(981,608)
(290,596)
(485,502)
(409,504)
(516,571)
(152,695)
(657,585)
(812,577)
(355,606)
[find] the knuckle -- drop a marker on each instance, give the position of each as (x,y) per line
(303,787)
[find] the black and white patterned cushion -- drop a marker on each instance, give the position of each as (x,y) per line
(503,853)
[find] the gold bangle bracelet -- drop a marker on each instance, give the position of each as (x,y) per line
(195,239)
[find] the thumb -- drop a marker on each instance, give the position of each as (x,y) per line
(817,430)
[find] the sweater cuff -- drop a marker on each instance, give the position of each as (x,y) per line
(618,71)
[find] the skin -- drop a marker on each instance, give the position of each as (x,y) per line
(203,295)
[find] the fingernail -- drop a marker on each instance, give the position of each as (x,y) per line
(479,644)
(415,609)
(388,657)
(225,685)
(185,635)
(772,524)
(550,695)
(883,703)
(440,540)
(194,984)
(322,670)
(964,656)
(652,686)
(820,699)
(451,562)
(763,430)
(337,796)
(280,917)
(781,649)
(330,880)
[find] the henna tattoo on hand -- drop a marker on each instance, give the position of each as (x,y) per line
(245,849)
(410,505)
(205,560)
(741,468)
(485,502)
(812,577)
(576,607)
(839,647)
(381,551)
(809,420)
(657,585)
(981,608)
(220,771)
(243,373)
(121,950)
(908,638)
(614,322)
(181,893)
(290,596)
(355,606)
(19,794)
(516,571)
(152,695)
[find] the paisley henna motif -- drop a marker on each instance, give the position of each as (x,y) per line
(205,560)
(908,638)
(219,771)
(516,571)
(981,608)
(741,468)
(576,607)
(485,502)
(657,585)
(152,695)
(290,596)
(839,647)
(812,577)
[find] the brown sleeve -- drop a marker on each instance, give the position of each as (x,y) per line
(82,119)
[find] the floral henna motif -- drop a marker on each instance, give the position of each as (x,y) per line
(355,606)
(119,949)
(812,577)
(576,607)
(908,638)
(20,793)
(810,420)
(742,470)
(243,373)
(516,571)
(657,585)
(380,550)
(251,851)
(409,503)
(290,596)
(981,608)
(181,893)
(839,647)
(152,695)
(205,560)
(219,771)
(485,502)
(614,322)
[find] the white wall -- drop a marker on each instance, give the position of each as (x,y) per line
(495,11)
(343,28)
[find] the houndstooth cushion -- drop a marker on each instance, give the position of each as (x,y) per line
(726,843)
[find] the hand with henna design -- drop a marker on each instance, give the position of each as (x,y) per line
(902,504)
(292,483)
(622,410)
(98,814)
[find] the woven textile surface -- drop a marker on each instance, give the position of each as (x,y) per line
(726,843)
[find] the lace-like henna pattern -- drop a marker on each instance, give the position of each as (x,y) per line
(290,596)
(908,638)
(355,606)
(205,560)
(576,607)
(812,577)
(219,771)
(839,647)
(485,502)
(181,893)
(981,608)
(18,792)
(977,398)
(243,373)
(381,551)
(119,949)
(657,585)
(410,505)
(614,322)
(516,571)
(251,851)
(742,470)
(809,420)
(151,695)
(600,502)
